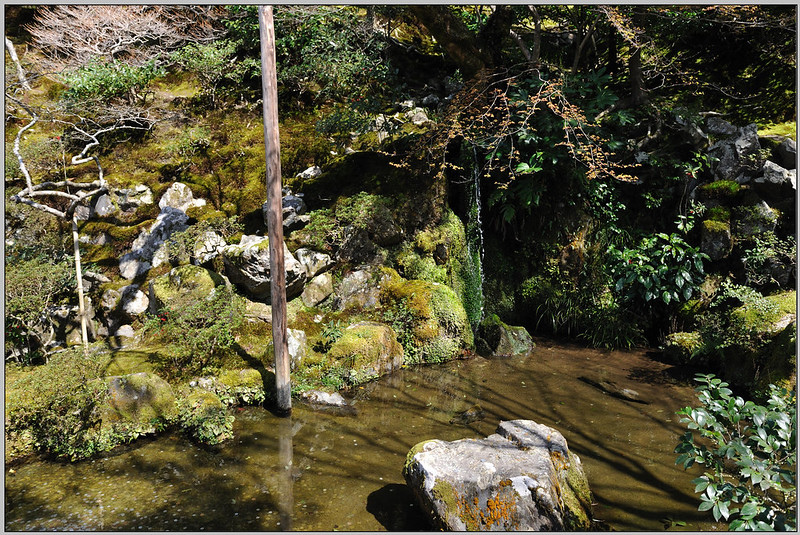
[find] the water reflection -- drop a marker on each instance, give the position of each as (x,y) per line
(321,471)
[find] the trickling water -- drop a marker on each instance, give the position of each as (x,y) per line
(474,232)
(322,472)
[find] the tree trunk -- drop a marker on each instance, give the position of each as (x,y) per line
(537,34)
(274,209)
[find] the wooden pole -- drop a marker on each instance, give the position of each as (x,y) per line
(269,93)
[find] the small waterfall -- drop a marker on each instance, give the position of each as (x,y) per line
(473,294)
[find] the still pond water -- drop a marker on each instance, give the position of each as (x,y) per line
(345,471)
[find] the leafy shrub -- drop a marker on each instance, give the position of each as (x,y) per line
(750,465)
(769,250)
(214,64)
(32,286)
(106,80)
(60,404)
(661,266)
(198,334)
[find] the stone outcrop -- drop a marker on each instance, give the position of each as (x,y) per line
(523,478)
(317,290)
(140,399)
(737,155)
(147,250)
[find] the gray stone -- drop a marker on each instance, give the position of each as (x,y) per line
(247,263)
(179,197)
(131,198)
(430,101)
(298,346)
(83,213)
(523,478)
(134,301)
(319,397)
(104,206)
(357,247)
(207,247)
(776,182)
(787,153)
(125,331)
(716,240)
(147,249)
(317,290)
(357,290)
(755,219)
(738,157)
(313,262)
(110,299)
(417,116)
(311,172)
(719,127)
(503,339)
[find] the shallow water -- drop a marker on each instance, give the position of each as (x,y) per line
(323,471)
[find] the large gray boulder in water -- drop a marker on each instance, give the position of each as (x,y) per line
(521,478)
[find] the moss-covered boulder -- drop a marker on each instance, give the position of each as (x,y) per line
(182,285)
(503,339)
(716,239)
(432,320)
(365,351)
(681,347)
(141,400)
(245,386)
(522,478)
(204,416)
(764,333)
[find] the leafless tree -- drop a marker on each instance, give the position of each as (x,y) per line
(71,35)
(61,198)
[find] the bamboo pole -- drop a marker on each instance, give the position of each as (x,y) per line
(269,89)
(79,278)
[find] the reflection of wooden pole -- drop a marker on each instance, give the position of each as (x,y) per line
(269,93)
(285,466)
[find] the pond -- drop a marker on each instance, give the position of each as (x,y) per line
(325,471)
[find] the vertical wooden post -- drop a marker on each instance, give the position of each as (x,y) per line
(79,279)
(269,93)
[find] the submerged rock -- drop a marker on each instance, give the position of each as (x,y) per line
(140,399)
(521,478)
(473,414)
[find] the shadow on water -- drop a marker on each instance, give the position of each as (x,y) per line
(326,471)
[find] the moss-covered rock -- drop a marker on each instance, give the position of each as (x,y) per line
(681,347)
(365,351)
(182,285)
(142,399)
(431,320)
(245,386)
(503,339)
(764,334)
(204,416)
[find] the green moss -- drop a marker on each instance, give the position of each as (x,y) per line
(364,352)
(721,189)
(577,497)
(205,417)
(431,318)
(716,227)
(719,213)
(786,129)
(759,316)
(140,398)
(184,284)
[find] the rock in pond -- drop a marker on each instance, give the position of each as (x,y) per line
(521,478)
(141,399)
(505,339)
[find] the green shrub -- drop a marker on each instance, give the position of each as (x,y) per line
(106,80)
(31,287)
(768,250)
(60,404)
(749,475)
(198,334)
(661,267)
(214,64)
